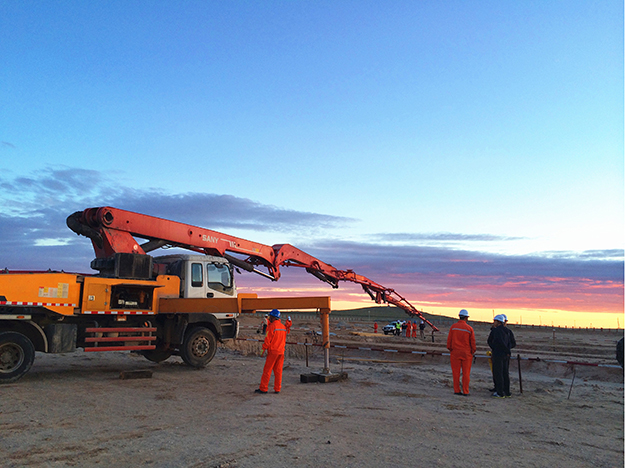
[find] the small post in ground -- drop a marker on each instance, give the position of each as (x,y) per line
(306,348)
(573,380)
(518,362)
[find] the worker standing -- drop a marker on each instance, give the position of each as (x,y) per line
(512,345)
(422,329)
(500,345)
(375,327)
(288,324)
(274,344)
(398,328)
(461,346)
(414,329)
(408,329)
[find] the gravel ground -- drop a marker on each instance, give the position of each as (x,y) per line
(73,410)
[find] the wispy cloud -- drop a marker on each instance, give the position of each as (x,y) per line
(56,193)
(583,281)
(227,211)
(34,209)
(407,237)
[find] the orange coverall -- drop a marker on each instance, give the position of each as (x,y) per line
(408,329)
(275,342)
(461,345)
(288,324)
(414,330)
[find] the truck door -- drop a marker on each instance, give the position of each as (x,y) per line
(210,280)
(197,285)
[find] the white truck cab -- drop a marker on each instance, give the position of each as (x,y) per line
(201,276)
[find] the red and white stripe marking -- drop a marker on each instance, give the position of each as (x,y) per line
(20,303)
(118,312)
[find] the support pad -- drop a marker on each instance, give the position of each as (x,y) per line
(322,378)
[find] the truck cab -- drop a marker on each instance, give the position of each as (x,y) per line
(201,276)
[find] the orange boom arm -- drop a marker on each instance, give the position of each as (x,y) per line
(113,231)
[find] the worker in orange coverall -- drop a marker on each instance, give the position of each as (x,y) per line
(408,329)
(414,329)
(274,344)
(461,345)
(288,324)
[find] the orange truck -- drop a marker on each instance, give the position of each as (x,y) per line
(160,306)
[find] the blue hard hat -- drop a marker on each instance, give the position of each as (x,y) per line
(275,313)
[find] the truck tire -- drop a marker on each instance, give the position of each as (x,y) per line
(157,355)
(17,354)
(199,347)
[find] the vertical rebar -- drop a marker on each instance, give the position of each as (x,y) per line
(573,380)
(306,348)
(518,361)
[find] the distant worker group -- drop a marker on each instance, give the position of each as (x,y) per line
(404,328)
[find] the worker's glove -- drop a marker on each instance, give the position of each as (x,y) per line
(262,353)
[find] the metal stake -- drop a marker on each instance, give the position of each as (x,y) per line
(573,380)
(518,361)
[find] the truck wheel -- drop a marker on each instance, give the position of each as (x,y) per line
(199,347)
(17,354)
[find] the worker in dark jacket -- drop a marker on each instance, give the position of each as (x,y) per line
(499,342)
(512,345)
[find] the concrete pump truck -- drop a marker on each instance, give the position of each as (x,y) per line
(160,306)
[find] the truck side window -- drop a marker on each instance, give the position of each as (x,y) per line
(197,279)
(218,274)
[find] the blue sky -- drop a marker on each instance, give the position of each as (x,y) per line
(489,131)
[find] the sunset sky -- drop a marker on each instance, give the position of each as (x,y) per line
(465,154)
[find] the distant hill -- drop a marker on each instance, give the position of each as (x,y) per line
(386,314)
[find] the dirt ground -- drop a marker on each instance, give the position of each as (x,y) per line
(393,410)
